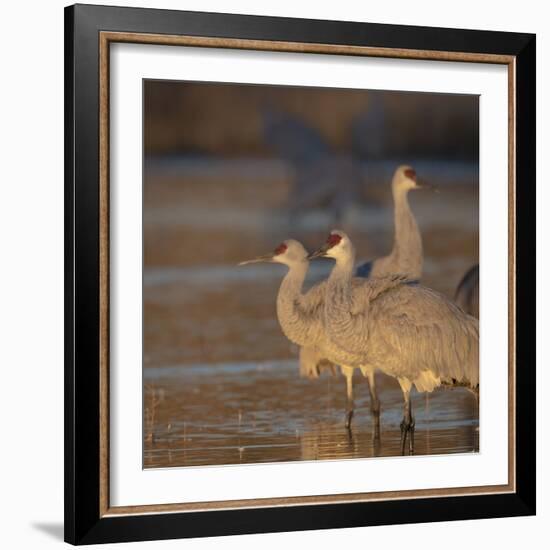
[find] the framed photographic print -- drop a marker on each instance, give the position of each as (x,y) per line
(299,274)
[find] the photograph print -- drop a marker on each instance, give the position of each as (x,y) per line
(311,274)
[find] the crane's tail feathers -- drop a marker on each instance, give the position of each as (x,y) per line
(313,364)
(427,381)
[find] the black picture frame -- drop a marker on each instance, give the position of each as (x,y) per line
(83,522)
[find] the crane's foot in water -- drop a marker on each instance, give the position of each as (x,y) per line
(407,427)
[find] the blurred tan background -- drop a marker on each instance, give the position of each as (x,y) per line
(222,119)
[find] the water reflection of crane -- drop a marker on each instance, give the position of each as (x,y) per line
(324,442)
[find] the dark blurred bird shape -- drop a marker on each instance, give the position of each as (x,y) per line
(467,292)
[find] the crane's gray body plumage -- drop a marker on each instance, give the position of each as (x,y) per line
(467,292)
(405,330)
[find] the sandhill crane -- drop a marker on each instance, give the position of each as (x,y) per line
(407,331)
(467,292)
(406,255)
(301,319)
(321,176)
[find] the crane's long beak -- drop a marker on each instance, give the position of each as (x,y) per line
(319,253)
(427,186)
(264,258)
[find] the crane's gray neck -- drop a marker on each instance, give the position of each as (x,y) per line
(289,302)
(407,245)
(343,328)
(340,277)
(339,291)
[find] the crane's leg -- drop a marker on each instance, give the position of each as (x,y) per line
(374,402)
(411,428)
(407,424)
(348,373)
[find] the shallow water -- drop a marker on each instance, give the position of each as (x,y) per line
(263,412)
(221,382)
